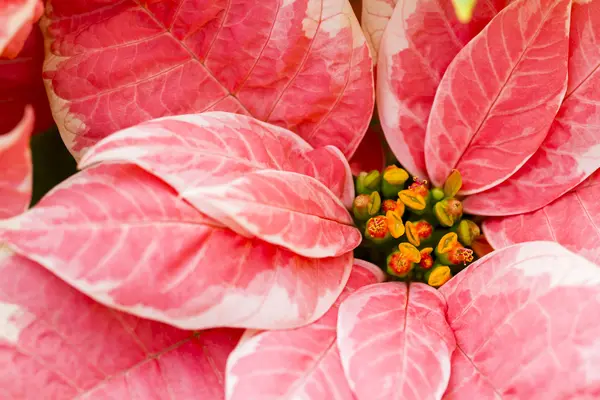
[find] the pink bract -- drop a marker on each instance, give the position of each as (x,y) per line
(522,318)
(499,116)
(573,221)
(498,98)
(214,148)
(15,164)
(214,139)
(57,343)
(286,209)
(299,363)
(571,151)
(167,253)
(517,323)
(395,337)
(245,174)
(374,19)
(133,244)
(303,65)
(421,40)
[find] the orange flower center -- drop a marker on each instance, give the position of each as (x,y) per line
(426,261)
(389,205)
(377,227)
(399,263)
(461,255)
(424,229)
(419,187)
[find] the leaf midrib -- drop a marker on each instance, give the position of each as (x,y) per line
(503,87)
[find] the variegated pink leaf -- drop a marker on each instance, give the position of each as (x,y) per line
(16,169)
(394,342)
(56,343)
(370,154)
(125,238)
(375,17)
(499,96)
(21,85)
(573,221)
(283,208)
(329,166)
(302,363)
(300,64)
(16,22)
(524,319)
(571,151)
(216,147)
(421,40)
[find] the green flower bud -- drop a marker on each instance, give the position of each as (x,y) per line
(467,232)
(366,206)
(448,211)
(367,183)
(437,194)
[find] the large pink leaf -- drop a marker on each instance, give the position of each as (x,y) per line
(16,169)
(127,240)
(21,84)
(499,96)
(394,342)
(216,147)
(283,208)
(573,221)
(16,22)
(525,324)
(303,363)
(571,151)
(300,64)
(56,343)
(228,166)
(375,17)
(421,40)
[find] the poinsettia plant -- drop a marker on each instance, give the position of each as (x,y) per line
(208,246)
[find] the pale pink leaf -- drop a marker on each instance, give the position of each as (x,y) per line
(394,342)
(303,363)
(375,17)
(283,208)
(301,64)
(16,22)
(421,40)
(216,147)
(21,85)
(56,343)
(524,319)
(370,154)
(573,221)
(499,96)
(571,151)
(125,238)
(15,166)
